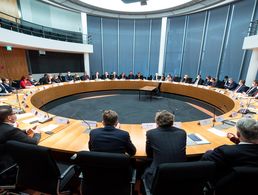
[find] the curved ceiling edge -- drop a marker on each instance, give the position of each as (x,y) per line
(187,8)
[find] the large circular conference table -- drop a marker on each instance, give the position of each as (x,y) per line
(72,137)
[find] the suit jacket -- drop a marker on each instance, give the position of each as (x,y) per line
(164,145)
(130,76)
(231,86)
(3,89)
(199,82)
(252,91)
(241,89)
(9,88)
(111,139)
(228,156)
(8,132)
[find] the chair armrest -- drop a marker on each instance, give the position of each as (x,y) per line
(7,169)
(71,167)
(133,181)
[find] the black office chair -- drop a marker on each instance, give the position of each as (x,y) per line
(38,170)
(7,175)
(183,178)
(242,180)
(106,173)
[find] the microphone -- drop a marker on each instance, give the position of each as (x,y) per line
(214,117)
(21,110)
(88,129)
(17,109)
(46,118)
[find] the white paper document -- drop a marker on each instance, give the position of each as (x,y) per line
(218,132)
(20,116)
(49,127)
(31,120)
(148,126)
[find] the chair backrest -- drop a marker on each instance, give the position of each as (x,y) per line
(105,173)
(36,168)
(182,178)
(242,180)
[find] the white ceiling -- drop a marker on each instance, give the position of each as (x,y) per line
(153,9)
(119,5)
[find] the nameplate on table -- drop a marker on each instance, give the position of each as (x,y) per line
(218,132)
(219,118)
(50,127)
(148,126)
(205,122)
(61,120)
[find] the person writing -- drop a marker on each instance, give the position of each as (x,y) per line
(165,144)
(110,138)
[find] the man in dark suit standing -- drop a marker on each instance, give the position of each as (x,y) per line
(110,138)
(243,154)
(8,131)
(165,144)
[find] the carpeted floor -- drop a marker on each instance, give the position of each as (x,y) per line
(128,106)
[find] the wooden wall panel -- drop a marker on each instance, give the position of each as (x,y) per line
(9,7)
(13,64)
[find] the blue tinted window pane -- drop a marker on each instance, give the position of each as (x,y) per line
(155,46)
(233,51)
(212,47)
(95,32)
(175,32)
(110,40)
(193,44)
(142,34)
(125,45)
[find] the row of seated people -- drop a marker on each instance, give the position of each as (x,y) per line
(227,83)
(164,144)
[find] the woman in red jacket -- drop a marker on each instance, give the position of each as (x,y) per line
(25,83)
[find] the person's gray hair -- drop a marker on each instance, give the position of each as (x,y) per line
(164,119)
(248,128)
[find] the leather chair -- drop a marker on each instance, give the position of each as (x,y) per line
(38,170)
(242,180)
(106,173)
(183,178)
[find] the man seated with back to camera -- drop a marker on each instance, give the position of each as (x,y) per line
(245,153)
(110,138)
(165,144)
(9,131)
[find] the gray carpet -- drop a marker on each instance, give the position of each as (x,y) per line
(126,103)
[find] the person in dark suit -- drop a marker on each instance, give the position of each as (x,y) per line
(198,80)
(105,76)
(7,85)
(164,144)
(85,77)
(2,87)
(130,76)
(110,138)
(139,76)
(252,90)
(68,77)
(243,154)
(8,131)
(113,76)
(96,76)
(231,85)
(241,87)
(122,76)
